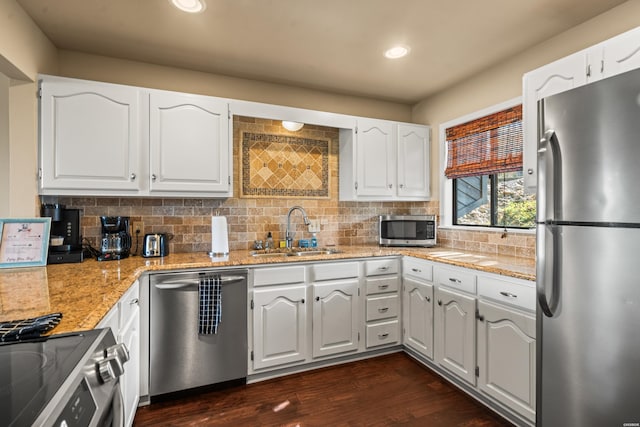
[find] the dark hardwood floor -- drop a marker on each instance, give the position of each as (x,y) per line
(383,391)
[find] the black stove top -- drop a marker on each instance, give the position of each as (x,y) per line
(32,372)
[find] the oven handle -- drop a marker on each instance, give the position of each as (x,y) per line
(117,406)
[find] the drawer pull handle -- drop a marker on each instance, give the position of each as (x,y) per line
(383,336)
(134,301)
(383,309)
(416,270)
(508,294)
(454,280)
(383,286)
(385,268)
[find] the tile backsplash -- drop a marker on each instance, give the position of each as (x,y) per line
(342,223)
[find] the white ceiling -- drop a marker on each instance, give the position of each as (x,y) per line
(331,45)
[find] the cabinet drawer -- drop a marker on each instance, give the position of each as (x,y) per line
(379,267)
(335,270)
(381,285)
(383,333)
(418,268)
(129,304)
(511,292)
(278,275)
(384,307)
(457,278)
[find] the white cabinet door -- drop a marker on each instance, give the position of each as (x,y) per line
(189,143)
(413,161)
(417,311)
(507,357)
(335,317)
(455,333)
(559,76)
(375,158)
(130,380)
(279,326)
(90,137)
(621,53)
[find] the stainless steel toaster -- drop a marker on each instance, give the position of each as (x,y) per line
(155,245)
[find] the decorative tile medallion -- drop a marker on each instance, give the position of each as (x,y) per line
(284,166)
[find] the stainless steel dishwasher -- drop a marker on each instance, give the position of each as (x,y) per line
(180,356)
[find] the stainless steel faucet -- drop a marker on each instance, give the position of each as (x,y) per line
(289,234)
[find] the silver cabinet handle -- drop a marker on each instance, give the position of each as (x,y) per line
(508,294)
(134,301)
(454,280)
(383,286)
(132,177)
(153,177)
(383,309)
(385,268)
(416,270)
(383,336)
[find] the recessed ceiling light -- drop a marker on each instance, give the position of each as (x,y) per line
(396,52)
(190,6)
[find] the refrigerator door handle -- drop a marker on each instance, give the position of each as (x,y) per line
(551,256)
(549,143)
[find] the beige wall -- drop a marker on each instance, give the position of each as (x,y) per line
(504,81)
(92,67)
(4,145)
(24,52)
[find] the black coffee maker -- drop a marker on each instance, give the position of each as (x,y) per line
(116,239)
(65,244)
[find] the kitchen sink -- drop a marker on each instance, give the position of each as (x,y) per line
(298,252)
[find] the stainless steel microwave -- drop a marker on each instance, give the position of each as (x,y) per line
(407,230)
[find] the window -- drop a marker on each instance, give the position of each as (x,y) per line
(484,163)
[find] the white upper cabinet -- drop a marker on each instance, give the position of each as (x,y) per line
(189,149)
(375,157)
(106,139)
(384,160)
(90,138)
(413,161)
(606,59)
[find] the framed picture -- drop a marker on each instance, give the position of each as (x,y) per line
(24,242)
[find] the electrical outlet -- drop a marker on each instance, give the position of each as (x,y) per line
(137,227)
(314,226)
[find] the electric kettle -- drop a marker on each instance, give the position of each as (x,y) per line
(155,245)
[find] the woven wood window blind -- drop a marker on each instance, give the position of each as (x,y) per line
(485,146)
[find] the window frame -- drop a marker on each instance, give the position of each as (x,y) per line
(446,184)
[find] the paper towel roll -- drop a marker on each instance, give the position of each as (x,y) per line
(219,236)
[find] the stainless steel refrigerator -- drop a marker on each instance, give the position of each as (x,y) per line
(588,255)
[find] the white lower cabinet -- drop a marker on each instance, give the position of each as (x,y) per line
(417,308)
(335,317)
(279,325)
(318,311)
(455,333)
(417,305)
(507,356)
(130,336)
(382,284)
(124,321)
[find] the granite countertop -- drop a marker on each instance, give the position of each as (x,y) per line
(85,292)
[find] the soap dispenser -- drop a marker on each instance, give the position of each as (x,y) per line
(269,243)
(314,240)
